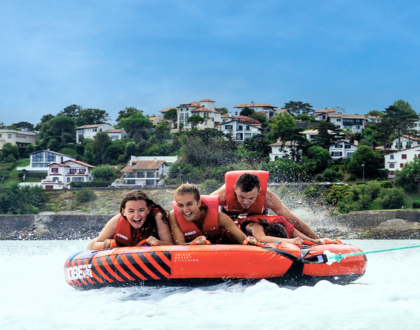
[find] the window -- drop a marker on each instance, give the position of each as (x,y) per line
(347,146)
(38,157)
(239,136)
(391,157)
(72,171)
(181,116)
(140,174)
(54,170)
(338,120)
(392,173)
(9,136)
(78,179)
(228,126)
(401,165)
(248,128)
(408,145)
(115,137)
(50,157)
(240,128)
(82,171)
(150,182)
(0,135)
(338,145)
(349,154)
(336,153)
(68,179)
(391,166)
(150,175)
(403,156)
(55,179)
(95,129)
(206,115)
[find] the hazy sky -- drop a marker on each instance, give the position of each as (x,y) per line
(359,55)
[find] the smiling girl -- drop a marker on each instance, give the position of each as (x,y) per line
(139,219)
(196,219)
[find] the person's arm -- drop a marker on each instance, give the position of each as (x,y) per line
(297,233)
(221,192)
(258,232)
(163,231)
(107,233)
(274,203)
(178,236)
(226,222)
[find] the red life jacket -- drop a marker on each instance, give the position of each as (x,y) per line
(268,219)
(124,235)
(210,225)
(232,204)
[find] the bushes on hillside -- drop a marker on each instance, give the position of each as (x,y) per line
(21,200)
(85,195)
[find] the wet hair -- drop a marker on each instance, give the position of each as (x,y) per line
(188,188)
(276,230)
(138,195)
(247,182)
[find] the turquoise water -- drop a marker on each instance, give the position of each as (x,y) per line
(34,295)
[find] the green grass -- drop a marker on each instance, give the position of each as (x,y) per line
(374,206)
(415,196)
(13,176)
(69,152)
(406,202)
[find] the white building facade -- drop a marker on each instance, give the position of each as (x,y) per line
(204,108)
(283,150)
(267,109)
(396,160)
(60,175)
(342,149)
(406,142)
(144,172)
(89,131)
(39,160)
(17,138)
(240,131)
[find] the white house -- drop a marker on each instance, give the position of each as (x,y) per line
(60,175)
(204,108)
(144,172)
(356,123)
(17,138)
(241,130)
(89,131)
(406,142)
(342,149)
(39,160)
(280,150)
(267,109)
(396,160)
(323,114)
(311,133)
(168,159)
(116,134)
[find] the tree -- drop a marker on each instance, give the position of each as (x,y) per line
(71,111)
(246,112)
(374,113)
(62,125)
(44,119)
(317,159)
(261,117)
(171,115)
(278,123)
(126,113)
(406,177)
(92,117)
(328,134)
(162,131)
(298,108)
(367,160)
(137,126)
(24,126)
(10,149)
(223,111)
(400,116)
(194,120)
(100,143)
(103,173)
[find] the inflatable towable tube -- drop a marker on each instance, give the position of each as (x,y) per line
(199,265)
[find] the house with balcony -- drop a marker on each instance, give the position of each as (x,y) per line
(356,123)
(204,108)
(17,138)
(342,149)
(283,150)
(406,142)
(116,134)
(268,110)
(144,172)
(39,160)
(60,175)
(396,160)
(241,128)
(89,131)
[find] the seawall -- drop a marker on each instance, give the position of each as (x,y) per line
(366,224)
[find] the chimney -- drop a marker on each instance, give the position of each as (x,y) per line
(155,160)
(252,103)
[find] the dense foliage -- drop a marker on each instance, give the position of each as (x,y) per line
(21,200)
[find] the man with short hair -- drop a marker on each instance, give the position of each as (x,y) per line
(245,193)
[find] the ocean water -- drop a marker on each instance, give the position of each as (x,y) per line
(34,295)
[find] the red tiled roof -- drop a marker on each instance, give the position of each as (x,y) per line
(59,164)
(114,130)
(90,126)
(245,119)
(255,105)
(207,100)
(325,110)
(79,162)
(153,118)
(144,165)
(167,109)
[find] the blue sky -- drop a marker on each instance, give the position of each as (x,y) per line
(358,55)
